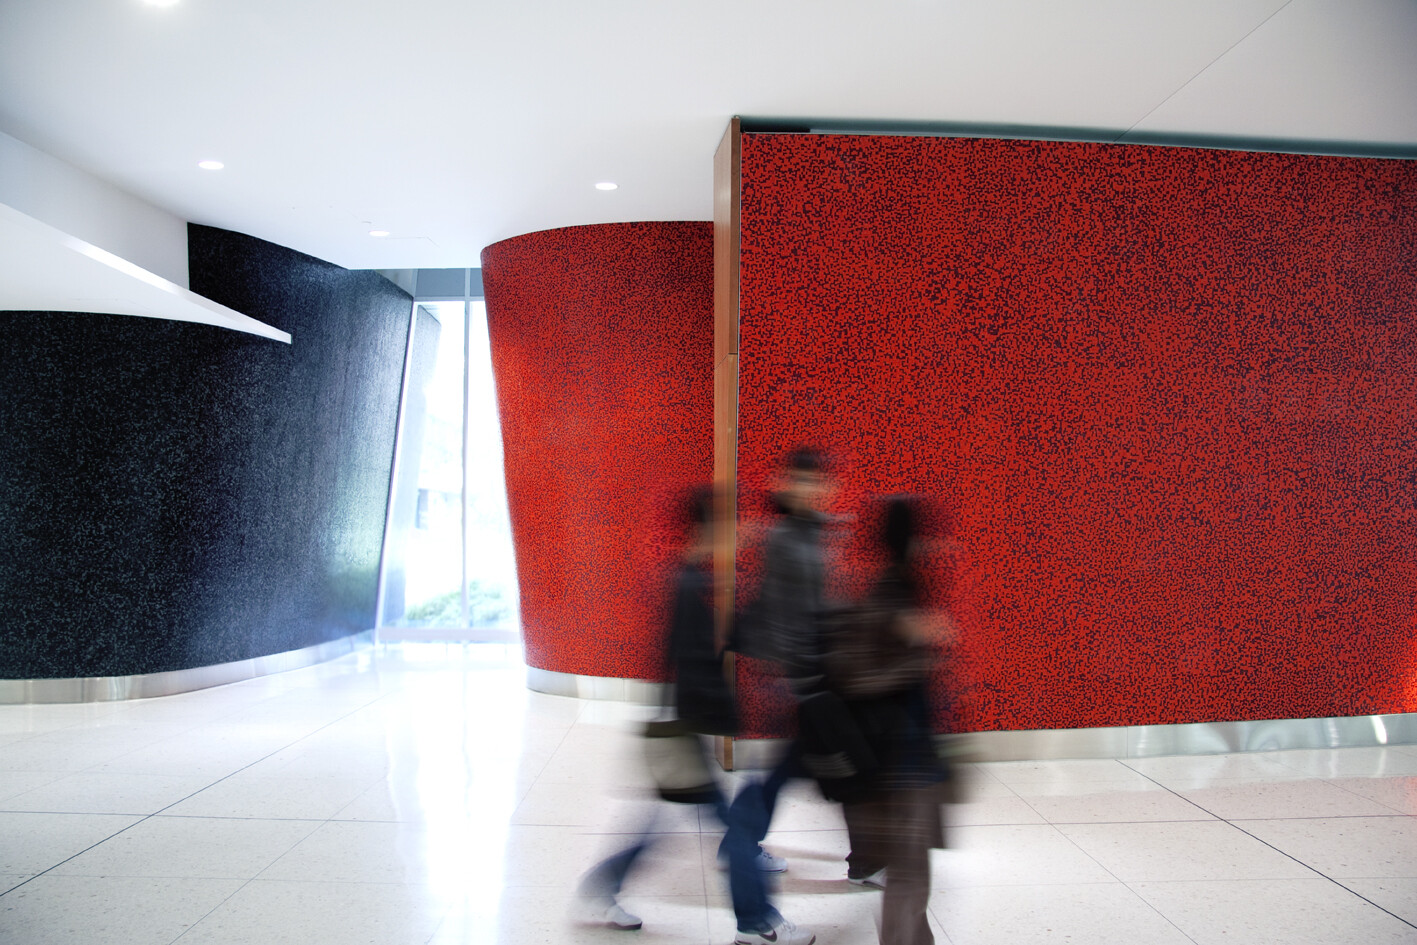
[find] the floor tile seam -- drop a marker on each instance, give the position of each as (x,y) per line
(940,922)
(1245,879)
(242,817)
(1075,845)
(210,912)
(81,852)
(1209,818)
(257,761)
(161,811)
(57,774)
(560,742)
(126,874)
(703,873)
(1106,823)
(586,832)
(1323,875)
(934,888)
(1163,916)
(137,748)
(24,738)
(1395,815)
(83,813)
(1031,806)
(345,882)
(1173,792)
(11,797)
(1352,892)
(320,823)
(1369,799)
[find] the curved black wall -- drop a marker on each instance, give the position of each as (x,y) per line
(176,495)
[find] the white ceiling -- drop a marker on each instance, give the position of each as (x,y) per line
(456,124)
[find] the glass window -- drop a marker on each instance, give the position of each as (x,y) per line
(448,567)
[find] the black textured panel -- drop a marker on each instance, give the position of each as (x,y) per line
(176,495)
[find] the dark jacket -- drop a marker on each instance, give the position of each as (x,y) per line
(792,597)
(701,694)
(881,678)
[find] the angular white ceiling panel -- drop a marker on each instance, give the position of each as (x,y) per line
(43,269)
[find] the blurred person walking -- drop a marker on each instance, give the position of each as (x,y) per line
(704,706)
(878,662)
(783,624)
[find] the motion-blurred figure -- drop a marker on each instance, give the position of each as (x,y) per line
(704,705)
(878,662)
(784,622)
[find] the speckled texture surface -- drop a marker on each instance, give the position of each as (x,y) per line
(1167,396)
(602,347)
(176,495)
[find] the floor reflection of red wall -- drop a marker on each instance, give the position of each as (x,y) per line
(602,348)
(1166,394)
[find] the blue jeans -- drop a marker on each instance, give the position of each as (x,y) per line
(754,805)
(746,884)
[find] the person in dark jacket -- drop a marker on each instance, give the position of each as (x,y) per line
(785,619)
(879,666)
(704,704)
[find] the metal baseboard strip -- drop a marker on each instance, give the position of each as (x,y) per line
(611,688)
(1145,741)
(1127,741)
(149,685)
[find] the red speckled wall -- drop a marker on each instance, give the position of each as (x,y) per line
(1167,396)
(602,348)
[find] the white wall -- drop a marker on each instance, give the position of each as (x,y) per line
(57,193)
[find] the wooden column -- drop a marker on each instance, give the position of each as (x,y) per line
(727,186)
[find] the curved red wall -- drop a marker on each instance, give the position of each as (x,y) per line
(1167,394)
(602,348)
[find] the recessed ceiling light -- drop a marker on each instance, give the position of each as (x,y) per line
(210,165)
(378,232)
(606,185)
(161,3)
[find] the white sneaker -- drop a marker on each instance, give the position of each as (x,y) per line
(876,879)
(767,863)
(617,918)
(604,910)
(784,933)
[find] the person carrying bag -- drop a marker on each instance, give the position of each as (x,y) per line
(878,659)
(677,755)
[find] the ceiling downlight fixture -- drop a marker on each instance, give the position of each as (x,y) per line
(607,185)
(210,165)
(378,234)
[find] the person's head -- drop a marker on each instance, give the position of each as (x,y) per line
(804,483)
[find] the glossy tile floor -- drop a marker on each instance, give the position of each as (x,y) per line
(419,794)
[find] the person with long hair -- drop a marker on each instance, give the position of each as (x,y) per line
(879,665)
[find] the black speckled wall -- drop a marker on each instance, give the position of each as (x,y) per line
(176,495)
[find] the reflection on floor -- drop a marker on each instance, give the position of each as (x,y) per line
(421,794)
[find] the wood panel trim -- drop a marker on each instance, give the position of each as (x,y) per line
(727,193)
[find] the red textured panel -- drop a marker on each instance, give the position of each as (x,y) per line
(602,347)
(1166,394)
